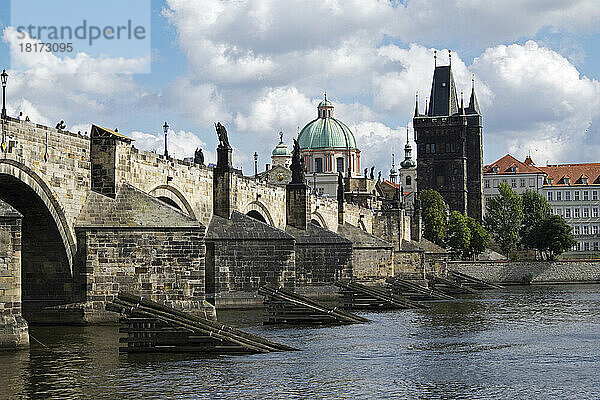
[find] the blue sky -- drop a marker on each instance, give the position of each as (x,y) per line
(262,66)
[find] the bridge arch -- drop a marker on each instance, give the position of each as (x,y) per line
(27,176)
(173,197)
(257,207)
(48,247)
(317,217)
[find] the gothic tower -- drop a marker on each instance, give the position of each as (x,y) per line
(450,147)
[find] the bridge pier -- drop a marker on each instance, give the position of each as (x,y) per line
(14,332)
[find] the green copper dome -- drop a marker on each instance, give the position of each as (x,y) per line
(326,132)
(281,150)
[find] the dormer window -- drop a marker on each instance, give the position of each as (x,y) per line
(550,181)
(495,169)
(567,181)
(513,169)
(584,181)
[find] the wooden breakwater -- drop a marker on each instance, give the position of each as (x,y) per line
(152,327)
(356,296)
(283,306)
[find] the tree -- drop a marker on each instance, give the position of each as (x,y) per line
(479,238)
(535,210)
(434,216)
(552,236)
(504,215)
(459,234)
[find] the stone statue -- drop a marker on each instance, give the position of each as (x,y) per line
(379,177)
(297,165)
(199,156)
(222,135)
(372,176)
(365,175)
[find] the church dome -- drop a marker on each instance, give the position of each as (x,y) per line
(326,131)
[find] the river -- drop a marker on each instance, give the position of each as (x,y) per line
(538,342)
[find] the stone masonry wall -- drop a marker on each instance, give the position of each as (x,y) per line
(253,195)
(353,214)
(13,327)
(323,264)
(166,265)
(531,271)
(372,264)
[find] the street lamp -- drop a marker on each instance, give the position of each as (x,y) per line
(255,165)
(166,130)
(4,81)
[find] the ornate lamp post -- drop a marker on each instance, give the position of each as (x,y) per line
(4,81)
(166,130)
(255,165)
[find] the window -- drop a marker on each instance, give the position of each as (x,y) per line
(595,195)
(595,212)
(318,165)
(433,147)
(577,195)
(522,182)
(576,213)
(595,229)
(487,183)
(585,230)
(340,164)
(549,196)
(408,181)
(531,182)
(586,212)
(427,148)
(586,246)
(578,246)
(576,230)
(567,213)
(513,182)
(558,212)
(586,195)
(568,196)
(595,246)
(495,182)
(558,196)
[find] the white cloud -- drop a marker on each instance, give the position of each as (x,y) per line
(181,144)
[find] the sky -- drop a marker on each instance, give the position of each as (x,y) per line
(260,67)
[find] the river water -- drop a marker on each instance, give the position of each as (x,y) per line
(539,342)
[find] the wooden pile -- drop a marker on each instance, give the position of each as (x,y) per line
(473,283)
(153,327)
(415,292)
(285,307)
(360,297)
(448,285)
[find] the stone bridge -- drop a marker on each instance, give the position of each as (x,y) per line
(65,186)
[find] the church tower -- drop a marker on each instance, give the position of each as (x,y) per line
(450,146)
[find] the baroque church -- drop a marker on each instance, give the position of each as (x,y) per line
(450,146)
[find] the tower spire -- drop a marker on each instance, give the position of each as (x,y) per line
(417,104)
(435,58)
(473,103)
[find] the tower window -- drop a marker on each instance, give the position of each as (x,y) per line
(408,181)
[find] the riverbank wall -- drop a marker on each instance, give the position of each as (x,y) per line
(531,272)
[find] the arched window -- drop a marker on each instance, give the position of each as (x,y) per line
(408,181)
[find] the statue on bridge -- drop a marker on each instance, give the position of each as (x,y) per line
(199,156)
(372,172)
(297,165)
(222,135)
(340,188)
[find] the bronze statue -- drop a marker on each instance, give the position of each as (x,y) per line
(379,177)
(199,156)
(340,188)
(222,135)
(372,172)
(297,165)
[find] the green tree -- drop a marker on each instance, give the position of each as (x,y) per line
(535,210)
(552,236)
(504,215)
(459,235)
(479,238)
(434,216)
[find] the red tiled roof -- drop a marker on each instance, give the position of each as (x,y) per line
(505,163)
(576,173)
(395,186)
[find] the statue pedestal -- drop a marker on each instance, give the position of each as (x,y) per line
(224,162)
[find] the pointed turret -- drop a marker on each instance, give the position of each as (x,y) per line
(417,105)
(473,103)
